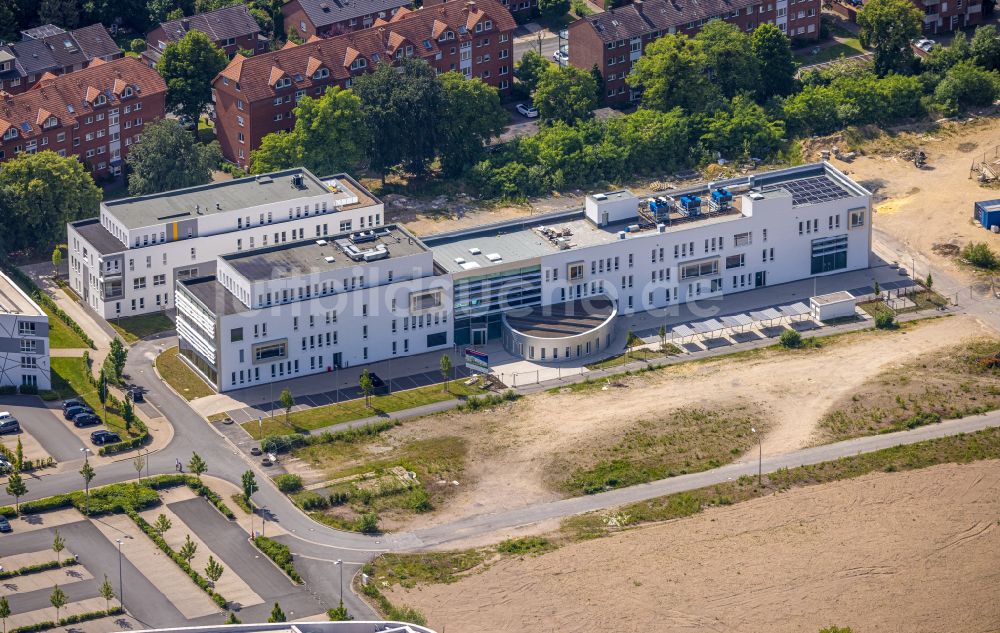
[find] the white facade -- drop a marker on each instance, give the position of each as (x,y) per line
(125,262)
(24,339)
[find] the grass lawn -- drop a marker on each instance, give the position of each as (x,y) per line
(847,47)
(319,417)
(69,380)
(181,377)
(645,354)
(134,328)
(61,336)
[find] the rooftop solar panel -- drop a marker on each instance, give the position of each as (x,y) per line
(814,190)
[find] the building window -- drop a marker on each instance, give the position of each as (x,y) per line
(857,218)
(29,346)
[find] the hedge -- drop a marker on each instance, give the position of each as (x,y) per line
(68,620)
(174,556)
(29,286)
(27,465)
(241,502)
(280,554)
(129,444)
(288,483)
(195,484)
(34,569)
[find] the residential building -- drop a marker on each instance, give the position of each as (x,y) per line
(125,261)
(95,114)
(325,18)
(230,28)
(24,339)
(256,96)
(615,39)
(550,288)
(944,16)
(48,50)
(522,10)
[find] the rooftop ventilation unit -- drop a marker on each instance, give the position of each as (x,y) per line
(475,251)
(494,257)
(328,259)
(600,197)
(264,179)
(298,181)
(321,242)
(363,236)
(459,260)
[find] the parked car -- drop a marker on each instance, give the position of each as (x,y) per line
(5,466)
(102,437)
(924,44)
(378,385)
(82,413)
(137,395)
(72,402)
(86,419)
(527,111)
(560,57)
(72,412)
(5,525)
(10,426)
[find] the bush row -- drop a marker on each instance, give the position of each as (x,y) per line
(280,554)
(27,465)
(492,400)
(67,621)
(24,390)
(212,497)
(282,443)
(115,498)
(241,502)
(34,569)
(174,556)
(391,611)
(129,444)
(29,286)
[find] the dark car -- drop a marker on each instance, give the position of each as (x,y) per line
(378,385)
(73,402)
(72,412)
(137,395)
(86,419)
(102,437)
(5,525)
(10,426)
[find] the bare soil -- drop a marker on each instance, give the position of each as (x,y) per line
(519,454)
(914,551)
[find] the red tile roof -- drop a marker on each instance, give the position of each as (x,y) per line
(68,97)
(421,28)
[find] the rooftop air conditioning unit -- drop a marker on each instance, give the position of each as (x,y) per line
(494,257)
(475,251)
(329,260)
(321,242)
(600,196)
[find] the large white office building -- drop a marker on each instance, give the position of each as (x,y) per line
(550,287)
(24,339)
(125,261)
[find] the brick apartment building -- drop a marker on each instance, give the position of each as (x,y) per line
(255,96)
(522,10)
(231,28)
(95,114)
(326,18)
(615,39)
(943,16)
(50,50)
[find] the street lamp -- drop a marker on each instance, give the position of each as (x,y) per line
(121,586)
(760,457)
(340,564)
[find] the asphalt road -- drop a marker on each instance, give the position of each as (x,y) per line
(45,425)
(549,45)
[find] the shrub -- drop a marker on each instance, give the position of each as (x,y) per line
(525,545)
(790,339)
(419,501)
(34,569)
(28,390)
(280,554)
(339,497)
(368,523)
(885,319)
(492,400)
(310,500)
(8,390)
(288,483)
(68,620)
(980,255)
(241,502)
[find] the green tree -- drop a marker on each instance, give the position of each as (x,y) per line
(108,592)
(941,58)
(287,402)
(249,485)
(162,524)
(743,131)
(16,488)
(529,70)
(162,10)
(19,456)
(118,353)
(729,58)
(401,106)
(471,115)
(966,85)
(662,333)
(167,157)
(57,599)
(188,66)
(368,523)
(8,33)
(188,549)
(197,465)
(39,194)
(232,619)
(65,13)
(214,569)
(56,260)
(929,282)
(366,385)
(790,339)
(653,141)
(672,74)
(814,110)
(772,50)
(980,255)
(102,392)
(329,136)
(553,8)
(58,545)
(985,47)
(88,474)
(131,14)
(445,369)
(339,613)
(4,605)
(138,462)
(277,615)
(128,415)
(887,27)
(566,94)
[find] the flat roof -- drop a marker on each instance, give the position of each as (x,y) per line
(213,295)
(833,297)
(13,300)
(562,319)
(310,256)
(217,197)
(97,236)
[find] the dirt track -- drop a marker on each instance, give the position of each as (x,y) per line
(916,551)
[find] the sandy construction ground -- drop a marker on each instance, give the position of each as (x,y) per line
(916,551)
